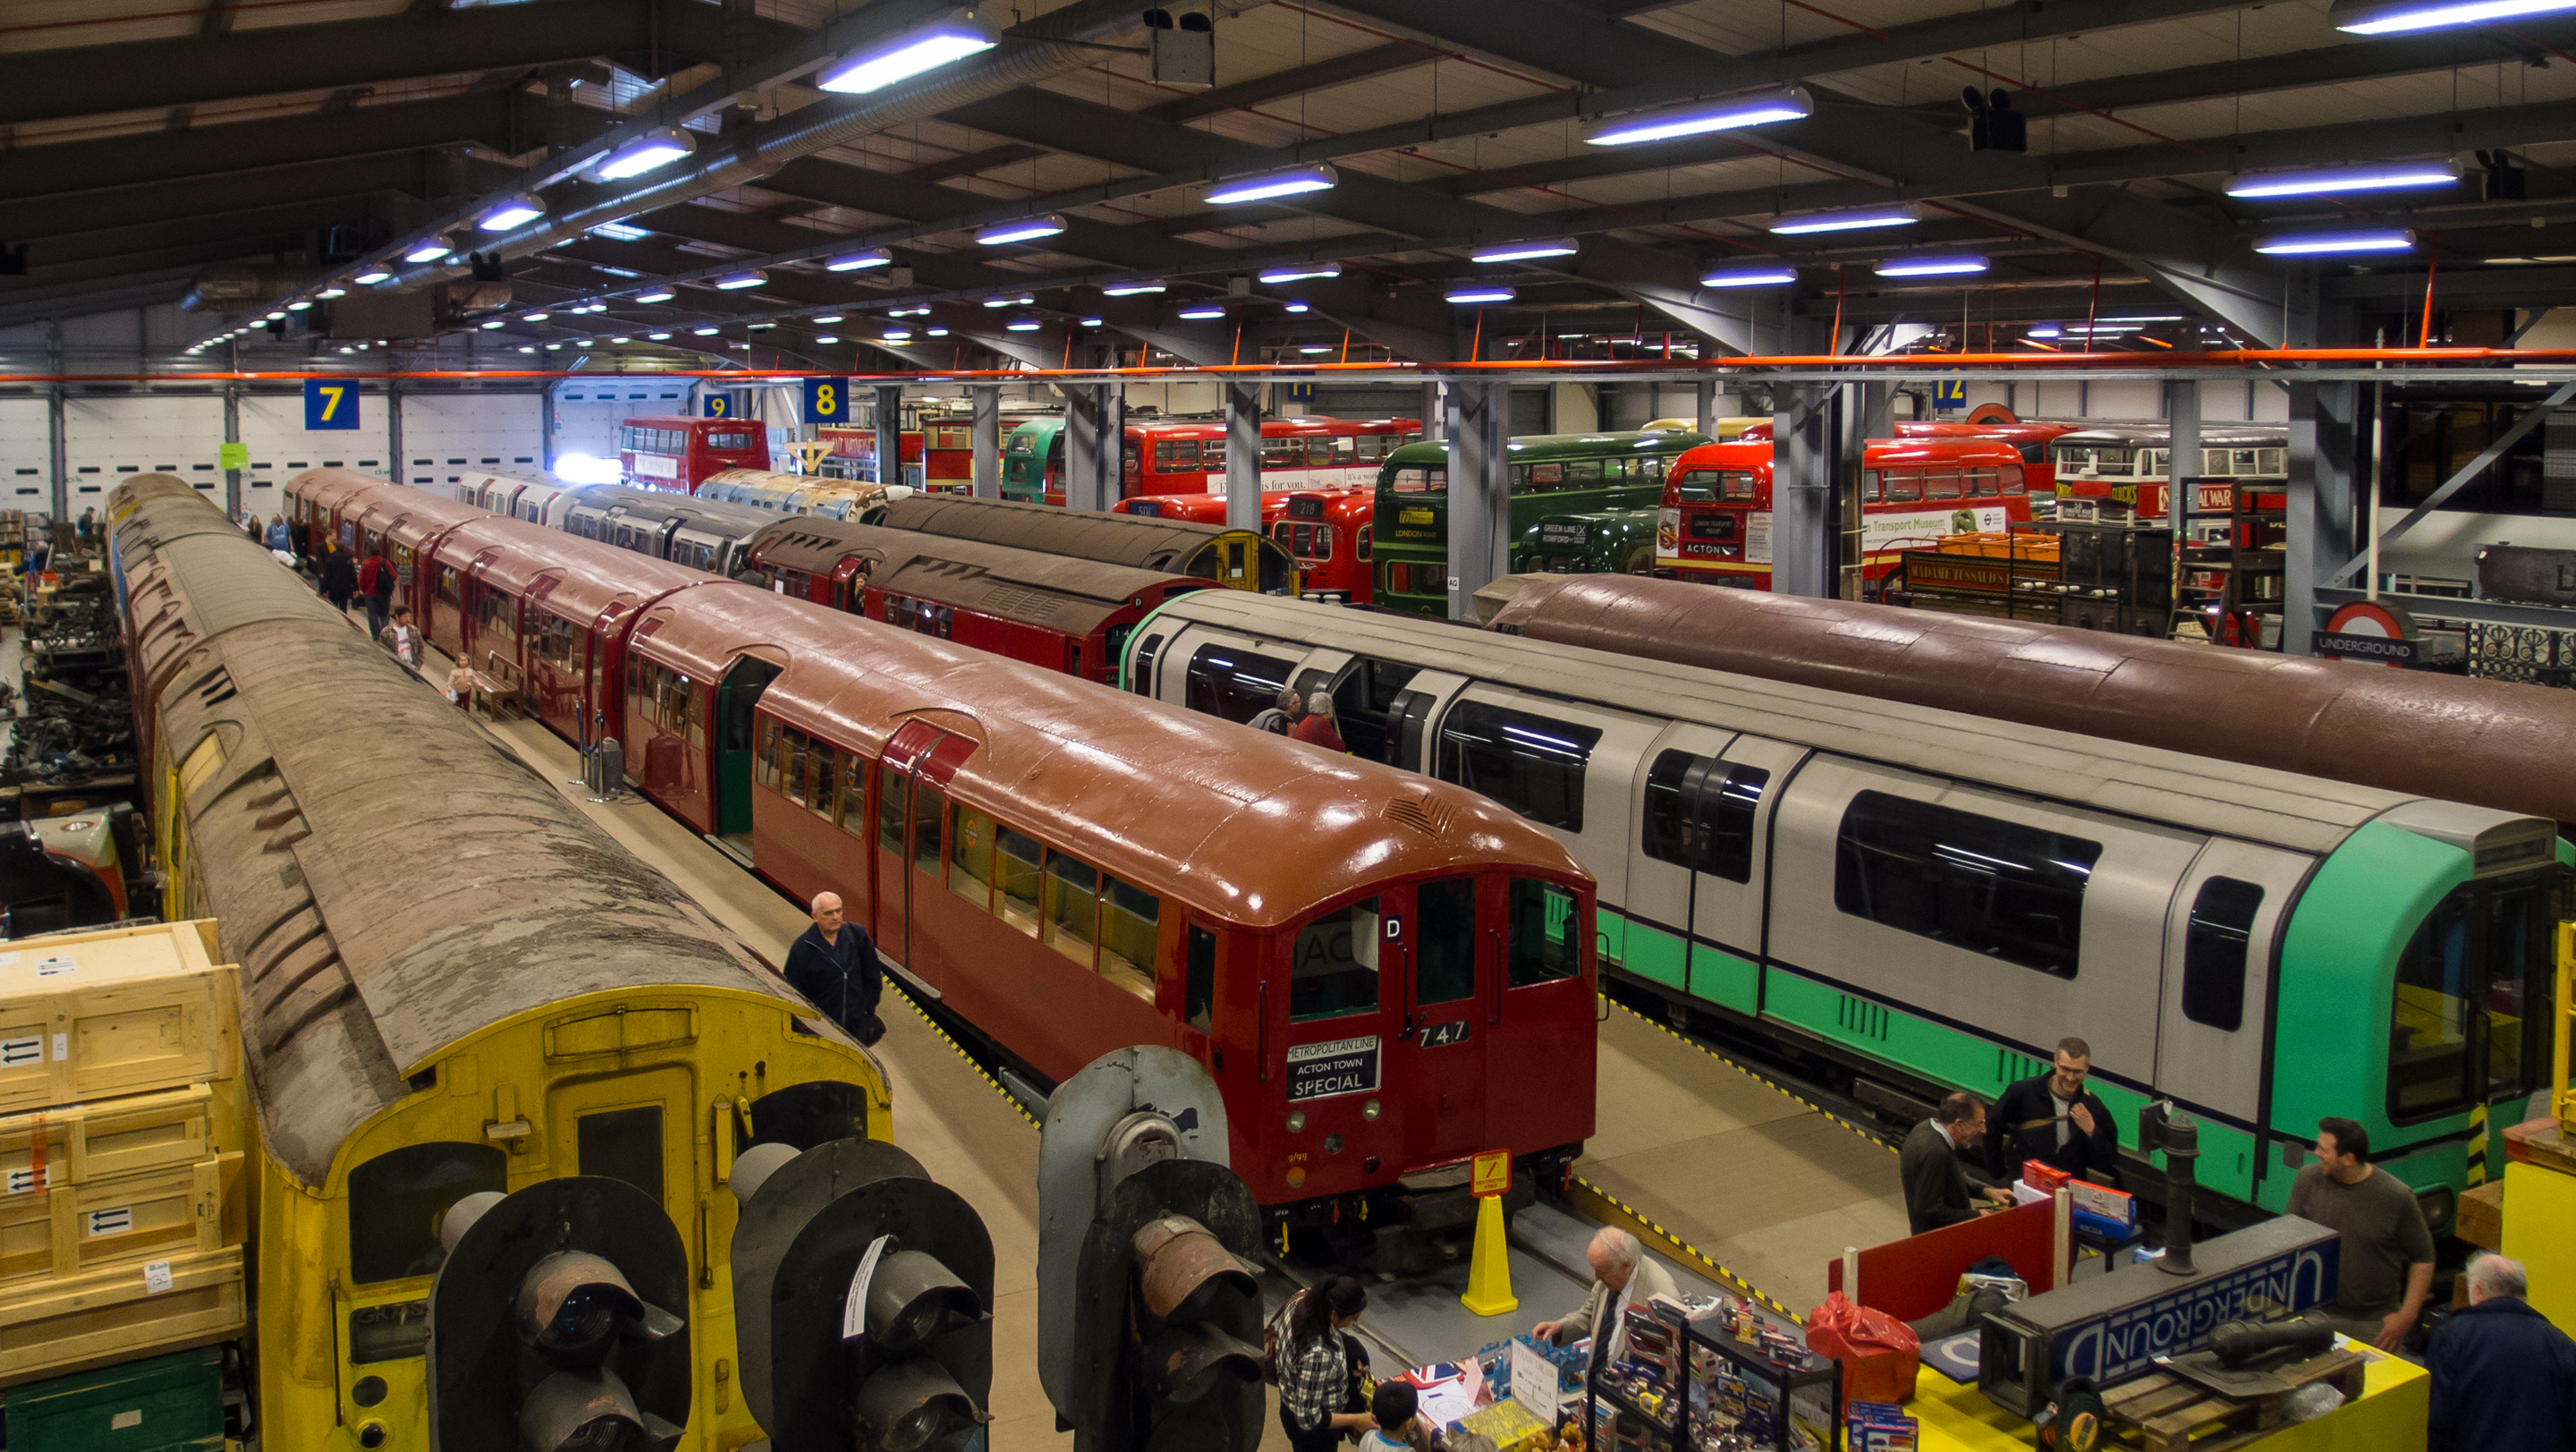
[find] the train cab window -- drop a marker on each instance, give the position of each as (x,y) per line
(2428,1029)
(1334,967)
(2215,948)
(623,1144)
(397,1199)
(1530,763)
(970,856)
(1140,675)
(1543,941)
(1018,859)
(1699,814)
(929,808)
(813,1113)
(1198,981)
(2004,889)
(892,788)
(1444,940)
(1130,923)
(1235,684)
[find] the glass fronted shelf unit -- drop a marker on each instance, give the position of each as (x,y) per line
(1707,1379)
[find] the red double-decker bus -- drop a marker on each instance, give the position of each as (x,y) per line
(1327,530)
(1187,456)
(679,454)
(1715,526)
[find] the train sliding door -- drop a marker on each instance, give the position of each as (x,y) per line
(736,697)
(1439,978)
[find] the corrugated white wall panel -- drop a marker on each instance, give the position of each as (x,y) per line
(26,455)
(108,439)
(280,449)
(587,414)
(444,435)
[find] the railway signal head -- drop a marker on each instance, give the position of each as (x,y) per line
(862,1292)
(558,1321)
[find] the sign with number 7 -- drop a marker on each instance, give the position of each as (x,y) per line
(330,403)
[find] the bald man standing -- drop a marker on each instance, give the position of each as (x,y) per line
(833,964)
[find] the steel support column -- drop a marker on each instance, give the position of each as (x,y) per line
(1704,409)
(1480,505)
(2323,506)
(1094,420)
(988,440)
(1435,411)
(1243,455)
(232,435)
(890,435)
(545,430)
(2182,464)
(1868,412)
(393,430)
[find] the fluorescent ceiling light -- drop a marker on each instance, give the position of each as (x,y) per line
(297,307)
(827,317)
(1300,271)
(906,54)
(429,251)
(273,317)
(371,277)
(939,332)
(554,347)
(2325,181)
(705,332)
(2045,330)
(1846,219)
(1931,265)
(1749,108)
(1527,251)
(853,261)
(736,282)
(1027,229)
(620,232)
(1296,307)
(659,337)
(1262,186)
(494,323)
(523,347)
(1091,322)
(1751,274)
(621,272)
(657,295)
(898,335)
(1202,313)
(1022,325)
(330,292)
(1008,302)
(513,212)
(621,340)
(1130,289)
(1311,352)
(825,338)
(1480,294)
(2395,17)
(2309,244)
(643,154)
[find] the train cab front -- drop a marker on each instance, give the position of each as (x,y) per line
(1403,1034)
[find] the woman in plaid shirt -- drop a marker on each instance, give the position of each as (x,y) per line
(1320,1365)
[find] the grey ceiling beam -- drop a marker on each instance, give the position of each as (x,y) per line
(654,37)
(918,199)
(2378,58)
(1340,70)
(19,306)
(2440,134)
(2534,287)
(198,201)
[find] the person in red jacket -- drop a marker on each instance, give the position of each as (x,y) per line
(1316,727)
(376,582)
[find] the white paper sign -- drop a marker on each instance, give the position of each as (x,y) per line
(854,1311)
(111,1222)
(1533,1381)
(62,1047)
(132,1417)
(156,1277)
(57,966)
(28,1050)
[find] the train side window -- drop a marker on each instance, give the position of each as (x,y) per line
(890,801)
(813,1113)
(1235,684)
(929,809)
(1334,970)
(2009,891)
(623,1144)
(1530,763)
(795,756)
(397,1199)
(827,775)
(1444,940)
(2215,948)
(1018,858)
(1699,814)
(853,814)
(2428,1021)
(1072,891)
(970,856)
(1140,676)
(1941,483)
(696,705)
(1543,943)
(1902,485)
(1198,981)
(1130,925)
(767,757)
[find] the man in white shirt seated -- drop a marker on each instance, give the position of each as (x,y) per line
(1623,1275)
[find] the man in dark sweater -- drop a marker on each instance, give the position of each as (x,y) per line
(833,964)
(2054,1119)
(1936,1192)
(2502,1375)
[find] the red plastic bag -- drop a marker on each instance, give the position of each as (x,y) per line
(1879,1353)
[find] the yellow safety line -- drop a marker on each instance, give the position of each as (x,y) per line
(1611,1207)
(1013,1100)
(1755,1075)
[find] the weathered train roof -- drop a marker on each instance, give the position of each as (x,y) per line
(1244,825)
(736,520)
(1118,539)
(2304,812)
(390,881)
(1058,592)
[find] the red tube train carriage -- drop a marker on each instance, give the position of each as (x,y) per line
(1369,963)
(1327,532)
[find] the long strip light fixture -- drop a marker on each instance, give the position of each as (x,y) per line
(645,153)
(428,251)
(854,261)
(1846,219)
(1932,264)
(371,277)
(621,232)
(738,281)
(2398,17)
(2326,181)
(1300,271)
(2327,244)
(1264,185)
(1026,229)
(1529,251)
(511,212)
(1750,274)
(1130,289)
(1479,293)
(1697,118)
(907,53)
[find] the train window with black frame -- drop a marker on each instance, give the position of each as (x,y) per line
(1236,684)
(1366,539)
(1699,813)
(1130,926)
(2519,970)
(826,768)
(1140,676)
(2428,1024)
(695,703)
(1544,941)
(1444,940)
(1072,893)
(1018,859)
(1530,763)
(2004,889)
(1333,967)
(623,1144)
(893,790)
(795,759)
(970,855)
(1198,980)
(1176,456)
(1902,485)
(397,1199)
(852,813)
(2216,944)
(929,810)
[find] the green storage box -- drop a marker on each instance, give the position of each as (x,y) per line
(167,1404)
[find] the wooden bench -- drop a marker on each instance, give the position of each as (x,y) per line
(495,687)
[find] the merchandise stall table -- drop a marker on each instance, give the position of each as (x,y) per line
(2390,1417)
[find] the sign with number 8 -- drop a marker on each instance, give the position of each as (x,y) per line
(827,400)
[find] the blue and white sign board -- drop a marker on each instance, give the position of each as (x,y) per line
(330,403)
(827,400)
(719,405)
(1949,394)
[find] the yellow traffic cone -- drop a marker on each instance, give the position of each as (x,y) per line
(1489,1275)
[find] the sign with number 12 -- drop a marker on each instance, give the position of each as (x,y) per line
(330,403)
(827,400)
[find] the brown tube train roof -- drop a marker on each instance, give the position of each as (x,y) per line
(1057,592)
(1117,539)
(2490,743)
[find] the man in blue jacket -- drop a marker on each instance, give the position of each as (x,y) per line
(835,966)
(2503,1377)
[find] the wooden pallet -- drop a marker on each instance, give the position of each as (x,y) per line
(2161,1412)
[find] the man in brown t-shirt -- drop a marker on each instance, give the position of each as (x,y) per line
(2387,1250)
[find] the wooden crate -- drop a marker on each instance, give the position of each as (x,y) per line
(74,1144)
(2481,1218)
(116,1220)
(121,1313)
(91,1015)
(2162,1412)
